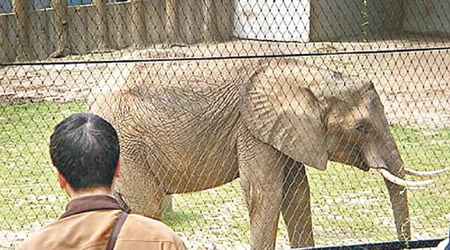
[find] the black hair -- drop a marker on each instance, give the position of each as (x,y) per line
(85,149)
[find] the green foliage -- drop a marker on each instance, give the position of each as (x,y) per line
(29,194)
(365,18)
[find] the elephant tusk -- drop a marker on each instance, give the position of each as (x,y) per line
(424,173)
(396,180)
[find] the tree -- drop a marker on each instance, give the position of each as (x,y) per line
(102,36)
(21,9)
(172,25)
(61,28)
(139,31)
(210,29)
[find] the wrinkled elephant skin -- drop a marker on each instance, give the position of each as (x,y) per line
(191,126)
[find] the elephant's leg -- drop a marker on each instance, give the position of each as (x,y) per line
(296,206)
(261,172)
(139,188)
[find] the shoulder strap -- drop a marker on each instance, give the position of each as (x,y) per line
(116,230)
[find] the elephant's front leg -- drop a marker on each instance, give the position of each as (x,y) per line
(296,206)
(261,172)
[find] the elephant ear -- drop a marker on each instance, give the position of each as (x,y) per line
(280,111)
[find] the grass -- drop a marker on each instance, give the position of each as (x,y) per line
(29,196)
(349,205)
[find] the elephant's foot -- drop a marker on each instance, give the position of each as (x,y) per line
(143,204)
(167,206)
(123,204)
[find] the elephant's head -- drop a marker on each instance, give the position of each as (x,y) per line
(314,115)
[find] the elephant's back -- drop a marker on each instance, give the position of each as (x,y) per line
(190,96)
(187,113)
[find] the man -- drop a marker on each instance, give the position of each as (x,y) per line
(443,245)
(84,148)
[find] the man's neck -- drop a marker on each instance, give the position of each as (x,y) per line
(89,192)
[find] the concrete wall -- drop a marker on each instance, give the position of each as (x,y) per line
(385,16)
(328,20)
(343,19)
(427,16)
(82,27)
(335,19)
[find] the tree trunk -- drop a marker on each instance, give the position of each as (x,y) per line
(172,26)
(6,53)
(210,29)
(139,31)
(102,35)
(21,10)
(61,28)
(121,29)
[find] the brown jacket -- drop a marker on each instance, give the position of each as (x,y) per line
(87,224)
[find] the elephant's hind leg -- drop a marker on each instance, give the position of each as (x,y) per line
(296,206)
(261,173)
(139,188)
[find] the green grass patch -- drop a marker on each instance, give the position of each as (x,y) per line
(353,205)
(29,195)
(349,205)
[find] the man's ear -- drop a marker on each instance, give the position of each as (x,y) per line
(117,172)
(62,181)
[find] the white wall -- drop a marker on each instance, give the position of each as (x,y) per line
(272,20)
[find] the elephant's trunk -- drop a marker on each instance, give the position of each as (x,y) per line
(386,156)
(392,164)
(397,193)
(399,201)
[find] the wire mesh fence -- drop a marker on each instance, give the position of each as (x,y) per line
(229,109)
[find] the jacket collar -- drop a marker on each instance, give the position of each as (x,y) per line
(91,203)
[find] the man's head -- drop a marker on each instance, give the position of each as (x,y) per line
(85,150)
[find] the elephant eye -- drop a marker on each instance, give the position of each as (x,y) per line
(361,128)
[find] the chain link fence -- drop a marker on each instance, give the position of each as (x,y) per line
(219,104)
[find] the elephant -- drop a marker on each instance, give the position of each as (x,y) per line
(186,126)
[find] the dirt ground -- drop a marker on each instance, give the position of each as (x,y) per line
(414,86)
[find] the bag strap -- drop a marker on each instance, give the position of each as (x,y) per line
(116,230)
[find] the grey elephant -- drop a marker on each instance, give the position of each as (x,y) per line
(190,126)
